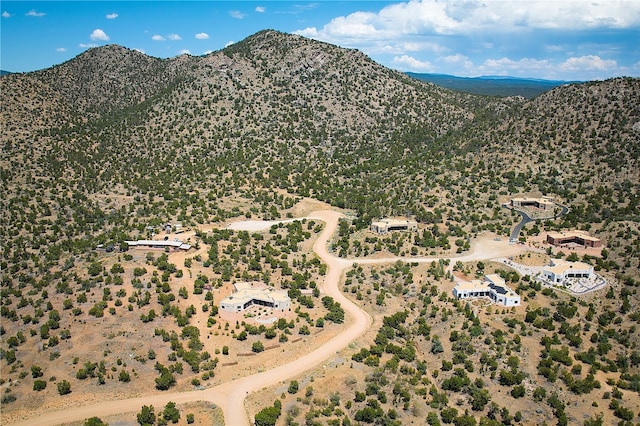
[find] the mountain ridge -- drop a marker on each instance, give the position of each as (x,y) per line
(494,85)
(324,108)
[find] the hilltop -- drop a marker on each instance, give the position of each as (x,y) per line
(112,145)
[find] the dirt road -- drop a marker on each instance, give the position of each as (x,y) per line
(230,396)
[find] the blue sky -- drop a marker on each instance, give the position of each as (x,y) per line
(549,39)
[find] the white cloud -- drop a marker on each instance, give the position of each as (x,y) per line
(539,38)
(112,16)
(409,63)
(87,45)
(206,52)
(435,17)
(35,13)
(553,48)
(137,49)
(507,66)
(185,52)
(310,32)
(260,9)
(173,37)
(6,14)
(229,43)
(61,49)
(458,60)
(237,14)
(356,25)
(588,63)
(400,47)
(98,34)
(202,36)
(301,8)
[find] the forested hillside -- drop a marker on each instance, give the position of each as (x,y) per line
(315,120)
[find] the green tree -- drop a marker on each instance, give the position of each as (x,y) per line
(36,371)
(94,269)
(147,416)
(117,269)
(268,416)
(270,333)
(257,347)
(436,345)
(432,419)
(183,293)
(171,412)
(39,385)
(293,387)
(124,376)
(518,391)
(166,380)
(64,387)
(94,421)
(448,414)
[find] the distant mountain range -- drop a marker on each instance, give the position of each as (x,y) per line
(3,72)
(492,85)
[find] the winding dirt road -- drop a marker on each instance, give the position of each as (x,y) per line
(230,396)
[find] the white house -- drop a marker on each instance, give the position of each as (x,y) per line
(560,270)
(246,294)
(175,244)
(492,286)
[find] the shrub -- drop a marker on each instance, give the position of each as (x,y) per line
(124,376)
(171,412)
(518,391)
(39,385)
(165,381)
(146,416)
(257,347)
(64,387)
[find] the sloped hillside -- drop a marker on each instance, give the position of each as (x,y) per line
(282,111)
(275,110)
(580,143)
(111,78)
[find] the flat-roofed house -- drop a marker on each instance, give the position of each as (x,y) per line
(155,244)
(560,270)
(573,237)
(383,226)
(492,286)
(542,203)
(247,294)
